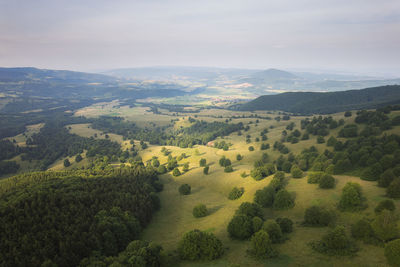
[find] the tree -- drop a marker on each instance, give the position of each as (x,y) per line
(265,197)
(385,226)
(228,168)
(186,167)
(239,157)
(347,114)
(67,163)
(206,169)
(161,169)
(283,200)
(392,252)
(296,172)
(386,178)
(251,148)
(318,216)
(362,230)
(240,227)
(203,162)
(320,140)
(200,210)
(236,193)
(250,209)
(386,204)
(78,158)
(185,189)
(273,229)
(285,224)
(155,162)
(261,246)
(198,245)
(335,242)
(257,223)
(176,172)
(351,198)
(327,181)
(393,189)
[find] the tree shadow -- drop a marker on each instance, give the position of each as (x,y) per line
(214,209)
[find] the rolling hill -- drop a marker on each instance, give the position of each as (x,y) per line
(324,103)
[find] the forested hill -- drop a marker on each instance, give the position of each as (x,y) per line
(324,103)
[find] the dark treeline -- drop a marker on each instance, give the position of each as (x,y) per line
(64,217)
(200,132)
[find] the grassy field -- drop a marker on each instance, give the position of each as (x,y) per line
(175,217)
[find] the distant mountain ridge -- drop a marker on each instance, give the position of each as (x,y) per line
(323,103)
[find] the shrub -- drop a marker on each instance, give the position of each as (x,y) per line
(335,242)
(155,162)
(320,140)
(67,163)
(251,148)
(392,252)
(186,167)
(78,158)
(351,198)
(200,210)
(385,226)
(314,177)
(265,197)
(198,245)
(250,209)
(283,200)
(206,169)
(327,181)
(161,169)
(386,204)
(228,169)
(274,231)
(203,162)
(239,157)
(347,114)
(362,230)
(393,189)
(386,178)
(296,172)
(185,189)
(236,193)
(261,246)
(176,172)
(285,224)
(257,224)
(318,216)
(240,227)
(243,175)
(223,161)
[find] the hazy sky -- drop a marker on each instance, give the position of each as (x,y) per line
(351,35)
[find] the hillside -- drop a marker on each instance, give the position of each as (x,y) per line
(325,103)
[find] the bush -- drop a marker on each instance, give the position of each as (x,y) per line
(176,172)
(240,227)
(203,162)
(318,216)
(393,189)
(392,252)
(283,200)
(198,245)
(251,148)
(236,193)
(200,210)
(67,163)
(206,169)
(326,182)
(261,246)
(351,198)
(161,169)
(385,226)
(386,178)
(257,224)
(185,167)
(78,158)
(185,189)
(228,169)
(155,162)
(265,197)
(274,231)
(386,204)
(320,140)
(335,242)
(347,114)
(314,177)
(250,209)
(362,230)
(285,224)
(239,157)
(296,172)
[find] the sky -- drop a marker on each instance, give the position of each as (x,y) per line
(357,36)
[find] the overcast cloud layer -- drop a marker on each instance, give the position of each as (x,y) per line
(351,35)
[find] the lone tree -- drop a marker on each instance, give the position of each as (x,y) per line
(176,172)
(185,189)
(318,216)
(186,167)
(67,163)
(296,172)
(200,210)
(283,200)
(273,229)
(78,158)
(236,193)
(240,227)
(352,198)
(206,169)
(335,242)
(326,182)
(198,245)
(261,246)
(203,162)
